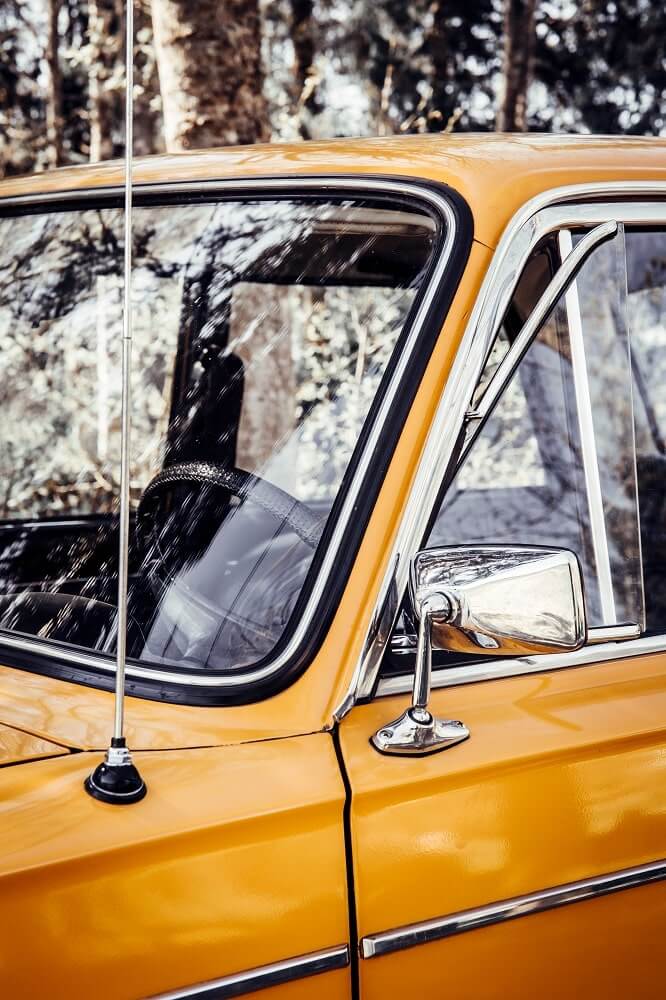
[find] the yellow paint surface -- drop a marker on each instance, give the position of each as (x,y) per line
(234,859)
(563,778)
(17,746)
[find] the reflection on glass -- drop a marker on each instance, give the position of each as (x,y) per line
(646,301)
(262,332)
(528,477)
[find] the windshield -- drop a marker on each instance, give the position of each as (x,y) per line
(262,331)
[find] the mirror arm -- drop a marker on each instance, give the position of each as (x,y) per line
(423,666)
(417,732)
(433,604)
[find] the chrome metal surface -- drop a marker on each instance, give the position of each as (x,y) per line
(430,607)
(558,208)
(126,390)
(503,599)
(118,757)
(117,780)
(473,673)
(264,976)
(414,735)
(326,187)
(563,282)
(417,733)
(404,644)
(374,945)
(613,633)
(565,275)
(588,443)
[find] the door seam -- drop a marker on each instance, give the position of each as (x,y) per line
(349,866)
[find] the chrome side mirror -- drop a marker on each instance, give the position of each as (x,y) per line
(505,600)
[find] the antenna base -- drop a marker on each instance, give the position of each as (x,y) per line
(116,780)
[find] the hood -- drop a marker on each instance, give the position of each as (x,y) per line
(17,746)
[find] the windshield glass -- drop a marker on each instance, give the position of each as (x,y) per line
(262,331)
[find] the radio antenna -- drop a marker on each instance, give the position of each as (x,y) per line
(116,779)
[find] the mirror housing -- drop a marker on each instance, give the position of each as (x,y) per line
(504,600)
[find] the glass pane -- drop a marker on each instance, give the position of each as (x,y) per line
(646,273)
(262,332)
(602,300)
(554,464)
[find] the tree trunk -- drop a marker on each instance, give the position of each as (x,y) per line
(303,42)
(305,77)
(105,27)
(519,40)
(54,123)
(442,100)
(148,125)
(211,78)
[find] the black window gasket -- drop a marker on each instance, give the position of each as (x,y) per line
(197,687)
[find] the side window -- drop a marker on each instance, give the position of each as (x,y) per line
(646,308)
(263,330)
(554,464)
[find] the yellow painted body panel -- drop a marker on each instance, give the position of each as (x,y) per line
(495,174)
(608,948)
(234,859)
(563,778)
(16,746)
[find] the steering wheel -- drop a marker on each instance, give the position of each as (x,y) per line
(244,485)
(174,541)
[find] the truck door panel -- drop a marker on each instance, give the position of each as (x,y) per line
(562,778)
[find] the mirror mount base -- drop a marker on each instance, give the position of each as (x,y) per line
(417,733)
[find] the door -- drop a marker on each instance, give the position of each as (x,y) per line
(529,860)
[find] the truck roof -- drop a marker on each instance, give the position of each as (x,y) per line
(496,173)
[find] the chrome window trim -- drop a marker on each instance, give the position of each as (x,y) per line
(562,285)
(492,670)
(360,186)
(564,207)
(386,942)
(588,441)
(240,983)
(486,396)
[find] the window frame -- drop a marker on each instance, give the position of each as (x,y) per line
(329,573)
(633,203)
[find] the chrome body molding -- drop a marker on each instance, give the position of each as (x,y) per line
(359,186)
(472,673)
(374,945)
(263,976)
(558,208)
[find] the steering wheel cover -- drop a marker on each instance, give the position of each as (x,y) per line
(244,485)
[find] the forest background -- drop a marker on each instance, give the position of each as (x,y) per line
(221,72)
